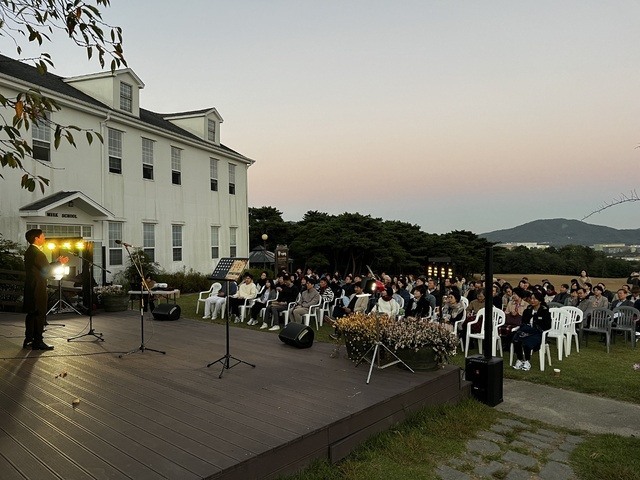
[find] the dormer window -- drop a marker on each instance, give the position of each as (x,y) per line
(211,130)
(126,97)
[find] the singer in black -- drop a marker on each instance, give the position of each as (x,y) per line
(37,268)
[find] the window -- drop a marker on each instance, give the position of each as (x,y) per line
(213,173)
(147,158)
(115,151)
(215,242)
(149,240)
(126,97)
(232,241)
(232,179)
(176,156)
(115,251)
(176,240)
(41,133)
(211,130)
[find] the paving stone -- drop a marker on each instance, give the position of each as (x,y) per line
(472,458)
(529,448)
(559,456)
(448,473)
(483,447)
(536,437)
(535,443)
(458,462)
(547,433)
(574,439)
(520,459)
(513,423)
(556,471)
(501,428)
(567,447)
(494,437)
(518,474)
(489,470)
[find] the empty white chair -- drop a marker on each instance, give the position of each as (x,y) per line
(560,323)
(498,320)
(575,317)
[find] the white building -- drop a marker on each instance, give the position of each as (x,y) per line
(163,182)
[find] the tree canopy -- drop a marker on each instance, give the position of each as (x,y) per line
(350,241)
(35,22)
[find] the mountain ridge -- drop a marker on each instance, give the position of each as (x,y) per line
(561,231)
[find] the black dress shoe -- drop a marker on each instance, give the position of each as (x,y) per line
(41,346)
(27,343)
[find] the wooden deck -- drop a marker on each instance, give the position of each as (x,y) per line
(148,415)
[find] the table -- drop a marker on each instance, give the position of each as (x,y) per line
(156,293)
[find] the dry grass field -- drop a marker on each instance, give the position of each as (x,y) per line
(557,280)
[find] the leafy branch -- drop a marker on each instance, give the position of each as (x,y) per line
(36,21)
(632,197)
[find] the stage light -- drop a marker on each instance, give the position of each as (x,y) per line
(80,245)
(51,246)
(67,245)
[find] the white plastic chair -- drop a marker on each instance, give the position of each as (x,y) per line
(575,316)
(560,324)
(457,324)
(544,350)
(313,312)
(499,319)
(465,302)
(287,312)
(202,297)
(245,307)
(263,310)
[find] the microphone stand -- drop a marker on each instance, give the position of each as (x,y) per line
(143,287)
(91,331)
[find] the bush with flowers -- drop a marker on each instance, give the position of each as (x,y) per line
(111,291)
(414,334)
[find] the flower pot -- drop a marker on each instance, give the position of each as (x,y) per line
(423,359)
(115,303)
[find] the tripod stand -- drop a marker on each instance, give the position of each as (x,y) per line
(91,331)
(144,289)
(224,360)
(61,305)
(375,358)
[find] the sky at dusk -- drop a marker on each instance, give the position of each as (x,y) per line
(447,114)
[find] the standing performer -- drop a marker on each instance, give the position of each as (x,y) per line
(37,269)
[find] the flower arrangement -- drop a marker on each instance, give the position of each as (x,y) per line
(111,291)
(360,330)
(416,333)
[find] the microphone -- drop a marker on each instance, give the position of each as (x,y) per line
(124,244)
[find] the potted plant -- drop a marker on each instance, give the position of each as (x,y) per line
(421,343)
(114,298)
(359,331)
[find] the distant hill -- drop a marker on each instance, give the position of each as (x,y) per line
(560,231)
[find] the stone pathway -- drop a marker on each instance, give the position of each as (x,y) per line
(513,450)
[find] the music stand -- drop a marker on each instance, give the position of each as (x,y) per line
(227,270)
(144,289)
(91,331)
(61,303)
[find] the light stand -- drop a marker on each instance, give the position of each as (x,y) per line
(91,331)
(375,358)
(59,272)
(144,289)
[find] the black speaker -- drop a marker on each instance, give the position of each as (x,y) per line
(297,335)
(485,375)
(166,311)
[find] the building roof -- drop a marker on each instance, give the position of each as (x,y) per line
(49,81)
(41,206)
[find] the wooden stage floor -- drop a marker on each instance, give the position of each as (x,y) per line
(148,415)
